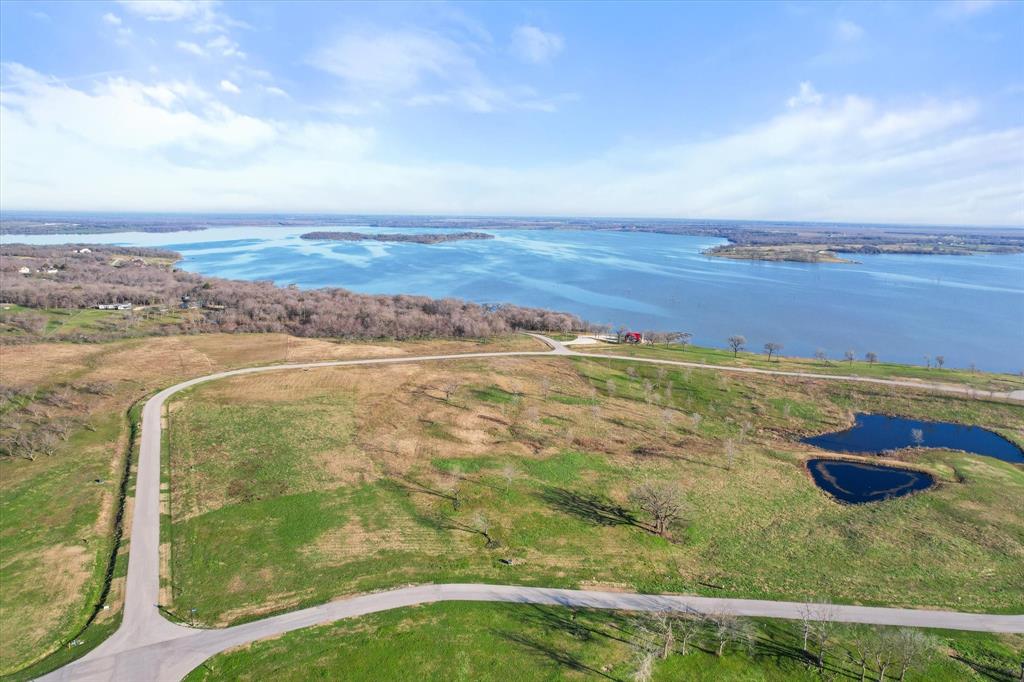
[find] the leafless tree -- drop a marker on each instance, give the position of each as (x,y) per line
(657,631)
(736,343)
(911,648)
(821,355)
(729,447)
(917,435)
(663,501)
(482,525)
(728,629)
(871,357)
(681,338)
(927,362)
(849,356)
(510,473)
(450,387)
(771,348)
(689,625)
(940,360)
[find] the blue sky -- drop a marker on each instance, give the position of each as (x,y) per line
(910,112)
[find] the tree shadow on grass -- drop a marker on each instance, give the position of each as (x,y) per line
(595,509)
(578,624)
(551,653)
(987,671)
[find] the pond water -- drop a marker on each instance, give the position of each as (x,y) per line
(858,483)
(873,433)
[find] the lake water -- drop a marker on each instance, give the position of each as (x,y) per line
(857,483)
(968,308)
(873,433)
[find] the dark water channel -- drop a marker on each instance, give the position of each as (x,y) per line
(874,433)
(857,482)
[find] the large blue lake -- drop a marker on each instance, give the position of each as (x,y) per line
(969,309)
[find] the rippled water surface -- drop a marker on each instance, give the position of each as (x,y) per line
(967,308)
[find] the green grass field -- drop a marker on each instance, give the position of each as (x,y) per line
(717,356)
(56,520)
(471,641)
(290,490)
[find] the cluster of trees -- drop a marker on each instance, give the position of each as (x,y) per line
(88,279)
(885,653)
(35,422)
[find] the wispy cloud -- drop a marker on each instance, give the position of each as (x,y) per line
(847,31)
(807,96)
(421,68)
(132,145)
(228,86)
(191,48)
(959,9)
(112,19)
(534,45)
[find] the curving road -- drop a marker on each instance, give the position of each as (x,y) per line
(149,647)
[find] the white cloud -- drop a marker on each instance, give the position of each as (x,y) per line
(171,146)
(191,48)
(228,86)
(807,96)
(274,91)
(422,68)
(958,9)
(847,31)
(169,10)
(225,47)
(112,19)
(531,44)
(391,61)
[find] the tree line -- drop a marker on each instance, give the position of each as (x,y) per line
(89,279)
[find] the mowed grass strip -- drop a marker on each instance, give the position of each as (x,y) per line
(473,641)
(522,475)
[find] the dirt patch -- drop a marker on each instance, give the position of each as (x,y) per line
(273,603)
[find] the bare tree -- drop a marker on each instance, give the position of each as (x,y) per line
(658,631)
(849,356)
(730,453)
(871,357)
(450,387)
(729,628)
(510,473)
(689,625)
(821,355)
(927,362)
(940,360)
(681,338)
(663,501)
(917,435)
(736,343)
(771,348)
(482,525)
(911,648)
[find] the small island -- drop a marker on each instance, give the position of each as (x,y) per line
(411,238)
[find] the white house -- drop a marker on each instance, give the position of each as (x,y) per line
(25,271)
(85,250)
(114,306)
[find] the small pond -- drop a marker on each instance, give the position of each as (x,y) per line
(873,433)
(857,483)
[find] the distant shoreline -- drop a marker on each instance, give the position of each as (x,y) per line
(436,238)
(747,240)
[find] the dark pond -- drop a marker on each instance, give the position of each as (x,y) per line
(878,433)
(857,483)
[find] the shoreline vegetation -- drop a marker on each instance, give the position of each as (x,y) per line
(112,292)
(747,240)
(405,238)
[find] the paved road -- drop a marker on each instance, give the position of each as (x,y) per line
(149,647)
